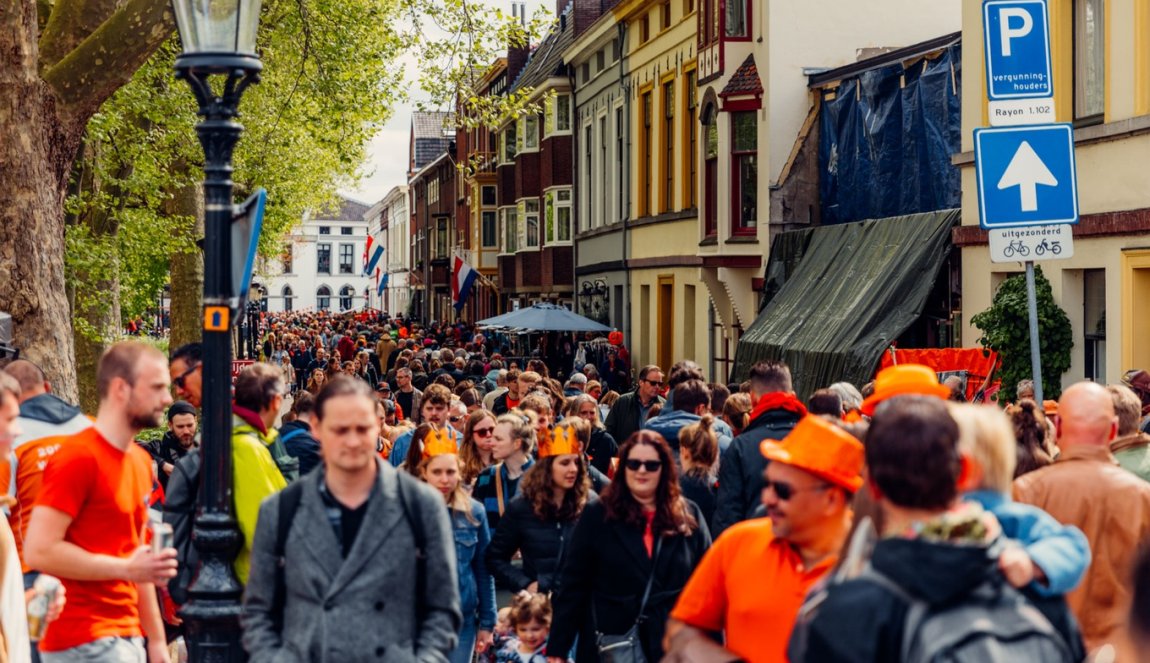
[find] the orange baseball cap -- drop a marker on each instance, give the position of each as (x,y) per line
(817,446)
(904,380)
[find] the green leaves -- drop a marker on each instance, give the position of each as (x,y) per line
(1005,328)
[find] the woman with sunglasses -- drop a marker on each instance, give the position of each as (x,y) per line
(475,450)
(641,531)
(539,521)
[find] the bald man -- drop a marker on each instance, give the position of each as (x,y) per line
(1087,488)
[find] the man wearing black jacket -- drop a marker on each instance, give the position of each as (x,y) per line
(297,437)
(179,439)
(775,413)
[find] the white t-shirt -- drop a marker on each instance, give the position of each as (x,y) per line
(13,612)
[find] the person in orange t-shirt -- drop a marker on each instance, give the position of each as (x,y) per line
(753,580)
(87,527)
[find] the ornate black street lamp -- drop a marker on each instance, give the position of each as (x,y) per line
(219,62)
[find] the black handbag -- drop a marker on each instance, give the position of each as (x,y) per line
(627,648)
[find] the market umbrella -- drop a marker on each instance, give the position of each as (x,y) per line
(544,317)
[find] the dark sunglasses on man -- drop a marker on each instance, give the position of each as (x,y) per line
(182,378)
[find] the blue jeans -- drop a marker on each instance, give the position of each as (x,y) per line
(102,650)
(466,648)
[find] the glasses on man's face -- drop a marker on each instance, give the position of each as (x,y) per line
(484,432)
(456,419)
(785,491)
(654,383)
(182,378)
(634,464)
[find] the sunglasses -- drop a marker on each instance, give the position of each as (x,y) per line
(178,383)
(634,464)
(654,383)
(456,420)
(484,432)
(785,491)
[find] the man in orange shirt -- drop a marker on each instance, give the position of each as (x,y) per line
(753,580)
(87,525)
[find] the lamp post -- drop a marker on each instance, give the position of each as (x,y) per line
(219,42)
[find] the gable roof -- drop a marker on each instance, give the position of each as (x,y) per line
(745,81)
(431,136)
(547,58)
(348,210)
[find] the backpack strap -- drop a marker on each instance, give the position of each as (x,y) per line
(290,498)
(916,607)
(291,434)
(414,515)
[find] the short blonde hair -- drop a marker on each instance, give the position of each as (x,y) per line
(986,437)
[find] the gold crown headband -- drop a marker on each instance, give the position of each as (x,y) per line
(438,442)
(563,440)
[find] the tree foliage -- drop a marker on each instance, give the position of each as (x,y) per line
(1005,328)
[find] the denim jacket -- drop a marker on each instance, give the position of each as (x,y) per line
(476,586)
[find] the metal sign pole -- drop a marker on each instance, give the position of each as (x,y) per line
(1035,354)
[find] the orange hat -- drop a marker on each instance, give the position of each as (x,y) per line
(439,442)
(904,380)
(817,446)
(562,440)
(1049,408)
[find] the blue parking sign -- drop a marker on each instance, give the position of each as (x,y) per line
(1017,40)
(1026,175)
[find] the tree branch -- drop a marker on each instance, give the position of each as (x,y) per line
(69,22)
(108,58)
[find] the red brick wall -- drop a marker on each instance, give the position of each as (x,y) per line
(527,175)
(555,162)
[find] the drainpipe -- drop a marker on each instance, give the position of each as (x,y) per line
(623,54)
(575,198)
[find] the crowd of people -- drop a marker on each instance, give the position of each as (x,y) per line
(428,496)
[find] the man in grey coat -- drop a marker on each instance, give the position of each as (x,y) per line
(356,589)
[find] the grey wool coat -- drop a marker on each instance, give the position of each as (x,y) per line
(363,608)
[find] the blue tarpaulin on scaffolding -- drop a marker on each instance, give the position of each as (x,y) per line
(886,138)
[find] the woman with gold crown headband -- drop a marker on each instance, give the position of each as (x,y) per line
(434,458)
(539,522)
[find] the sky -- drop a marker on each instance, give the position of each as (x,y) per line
(386,165)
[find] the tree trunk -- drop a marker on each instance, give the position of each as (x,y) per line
(36,153)
(187,271)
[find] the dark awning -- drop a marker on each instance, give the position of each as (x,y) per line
(842,293)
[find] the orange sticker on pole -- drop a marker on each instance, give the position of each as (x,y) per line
(216,318)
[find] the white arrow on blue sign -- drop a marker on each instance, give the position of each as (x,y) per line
(1017,37)
(1026,175)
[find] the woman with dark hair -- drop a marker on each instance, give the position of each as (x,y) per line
(475,449)
(642,533)
(1030,432)
(539,521)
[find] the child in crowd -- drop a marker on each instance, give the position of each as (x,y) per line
(530,617)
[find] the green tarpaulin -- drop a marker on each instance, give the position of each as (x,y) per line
(838,295)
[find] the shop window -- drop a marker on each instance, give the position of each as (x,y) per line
(744,172)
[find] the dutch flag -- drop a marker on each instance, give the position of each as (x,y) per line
(462,278)
(376,254)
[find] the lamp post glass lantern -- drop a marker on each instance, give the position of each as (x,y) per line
(219,38)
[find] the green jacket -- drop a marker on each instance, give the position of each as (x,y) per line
(256,476)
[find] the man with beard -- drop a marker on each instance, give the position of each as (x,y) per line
(808,487)
(179,439)
(88,522)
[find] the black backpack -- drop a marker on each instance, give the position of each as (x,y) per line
(180,512)
(993,623)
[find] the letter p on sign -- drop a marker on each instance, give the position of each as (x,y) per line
(1009,31)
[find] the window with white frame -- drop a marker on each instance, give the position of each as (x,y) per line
(558,214)
(531,224)
(530,133)
(510,230)
(433,191)
(563,113)
(509,144)
(490,234)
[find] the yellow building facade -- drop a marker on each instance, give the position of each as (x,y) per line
(1101,70)
(670,308)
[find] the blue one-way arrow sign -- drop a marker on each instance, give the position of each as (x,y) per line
(1026,176)
(1017,38)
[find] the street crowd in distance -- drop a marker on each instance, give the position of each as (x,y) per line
(441,494)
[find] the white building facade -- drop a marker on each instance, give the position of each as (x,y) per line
(322,263)
(389,223)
